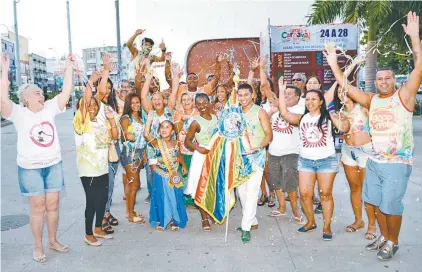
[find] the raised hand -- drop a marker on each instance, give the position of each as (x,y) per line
(219,57)
(108,112)
(107,62)
(263,62)
(330,54)
(412,27)
(282,85)
(139,31)
(162,45)
(5,62)
(70,62)
(168,56)
(255,64)
(175,69)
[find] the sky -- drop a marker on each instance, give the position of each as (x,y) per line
(179,23)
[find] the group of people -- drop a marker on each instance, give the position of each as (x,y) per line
(289,145)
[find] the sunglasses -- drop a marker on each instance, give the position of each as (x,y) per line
(296,79)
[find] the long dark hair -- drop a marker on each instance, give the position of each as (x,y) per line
(127,109)
(325,115)
(337,101)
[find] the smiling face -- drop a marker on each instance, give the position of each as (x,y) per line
(187,102)
(192,81)
(166,129)
(291,97)
(124,89)
(313,102)
(244,97)
(221,94)
(33,97)
(385,82)
(157,101)
(93,109)
(298,82)
(313,84)
(203,105)
(135,104)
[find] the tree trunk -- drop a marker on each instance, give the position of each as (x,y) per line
(371,60)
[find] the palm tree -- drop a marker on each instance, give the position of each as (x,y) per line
(374,17)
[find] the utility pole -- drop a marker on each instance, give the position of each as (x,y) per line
(119,47)
(70,52)
(18,59)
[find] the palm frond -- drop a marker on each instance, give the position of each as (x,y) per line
(325,12)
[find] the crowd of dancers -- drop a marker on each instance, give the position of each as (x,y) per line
(289,147)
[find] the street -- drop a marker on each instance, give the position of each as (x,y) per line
(275,246)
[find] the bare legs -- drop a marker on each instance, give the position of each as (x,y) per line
(131,188)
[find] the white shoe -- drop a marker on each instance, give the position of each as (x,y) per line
(107,236)
(97,243)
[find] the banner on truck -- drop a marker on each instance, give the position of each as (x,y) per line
(313,38)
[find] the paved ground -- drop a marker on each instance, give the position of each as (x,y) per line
(274,247)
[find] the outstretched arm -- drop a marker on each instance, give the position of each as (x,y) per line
(146,103)
(167,69)
(131,40)
(410,88)
(176,71)
(6,103)
(102,87)
(265,86)
(353,92)
(292,118)
(67,83)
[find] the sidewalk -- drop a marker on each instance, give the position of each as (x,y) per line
(276,246)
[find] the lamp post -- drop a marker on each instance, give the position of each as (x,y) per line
(18,59)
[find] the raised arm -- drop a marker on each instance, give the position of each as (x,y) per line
(176,71)
(265,86)
(410,88)
(146,103)
(354,93)
(147,131)
(163,53)
(67,83)
(167,69)
(292,118)
(341,122)
(102,86)
(6,103)
(86,98)
(132,49)
(209,88)
(230,83)
(329,95)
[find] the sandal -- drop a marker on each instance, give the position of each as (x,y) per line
(137,220)
(299,220)
(39,259)
(62,249)
(206,228)
(159,229)
(262,200)
(175,228)
(271,201)
(107,228)
(112,220)
(276,213)
(371,235)
(354,229)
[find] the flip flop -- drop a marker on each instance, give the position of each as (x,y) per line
(62,249)
(354,229)
(276,213)
(39,259)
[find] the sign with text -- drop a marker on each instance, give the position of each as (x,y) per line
(313,38)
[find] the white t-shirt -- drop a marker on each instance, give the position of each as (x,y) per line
(38,143)
(302,101)
(285,136)
(315,144)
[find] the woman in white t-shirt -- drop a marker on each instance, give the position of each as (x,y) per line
(39,159)
(317,155)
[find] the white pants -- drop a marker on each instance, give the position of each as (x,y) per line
(248,194)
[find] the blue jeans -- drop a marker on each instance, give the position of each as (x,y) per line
(112,170)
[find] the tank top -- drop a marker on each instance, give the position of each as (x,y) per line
(315,144)
(254,129)
(358,121)
(184,130)
(208,129)
(391,130)
(137,129)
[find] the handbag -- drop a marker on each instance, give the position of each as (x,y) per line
(112,153)
(175,180)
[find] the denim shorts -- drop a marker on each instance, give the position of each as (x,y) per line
(129,157)
(36,182)
(355,155)
(385,185)
(326,165)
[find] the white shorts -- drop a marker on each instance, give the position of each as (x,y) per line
(356,155)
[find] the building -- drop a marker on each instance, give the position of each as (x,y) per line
(93,60)
(8,47)
(23,53)
(38,71)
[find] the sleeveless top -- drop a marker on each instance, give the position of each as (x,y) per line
(137,129)
(183,132)
(391,130)
(167,115)
(92,143)
(315,144)
(160,167)
(254,129)
(208,129)
(255,134)
(358,121)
